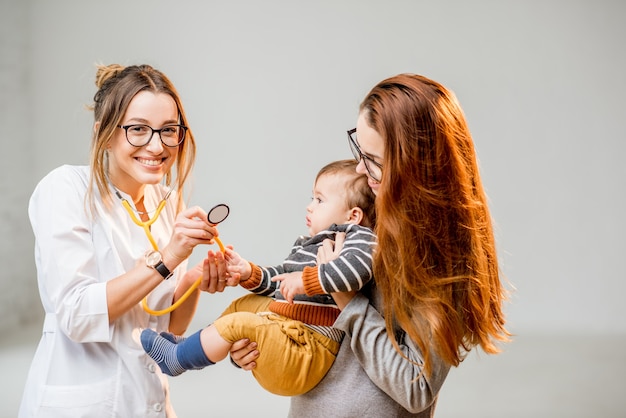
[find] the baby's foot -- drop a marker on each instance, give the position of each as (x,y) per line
(174,358)
(176,339)
(163,351)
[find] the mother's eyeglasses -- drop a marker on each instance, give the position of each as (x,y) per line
(374,169)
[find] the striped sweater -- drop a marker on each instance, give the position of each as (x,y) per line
(350,271)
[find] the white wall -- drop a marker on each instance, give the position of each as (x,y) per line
(271,87)
(19,302)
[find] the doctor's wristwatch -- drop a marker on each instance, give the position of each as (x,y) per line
(155,260)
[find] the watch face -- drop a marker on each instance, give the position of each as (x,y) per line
(153,258)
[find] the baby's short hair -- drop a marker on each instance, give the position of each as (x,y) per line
(358,193)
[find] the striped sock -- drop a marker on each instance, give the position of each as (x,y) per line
(174,359)
(173,338)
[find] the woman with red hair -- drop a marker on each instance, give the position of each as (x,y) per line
(437,291)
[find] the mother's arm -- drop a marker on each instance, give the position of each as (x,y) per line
(399,378)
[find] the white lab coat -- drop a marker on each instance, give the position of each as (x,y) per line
(84,366)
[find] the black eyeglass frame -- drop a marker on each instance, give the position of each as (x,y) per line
(358,156)
(182,135)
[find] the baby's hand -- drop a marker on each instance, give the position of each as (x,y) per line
(236,266)
(290,285)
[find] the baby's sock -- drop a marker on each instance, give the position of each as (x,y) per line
(174,359)
(173,338)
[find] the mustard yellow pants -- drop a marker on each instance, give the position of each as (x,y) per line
(293,358)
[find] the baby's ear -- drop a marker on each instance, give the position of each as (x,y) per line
(356,215)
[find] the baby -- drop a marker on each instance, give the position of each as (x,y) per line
(290,312)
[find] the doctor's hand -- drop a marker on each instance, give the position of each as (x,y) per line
(215,277)
(191,228)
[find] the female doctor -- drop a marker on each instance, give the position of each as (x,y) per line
(107,236)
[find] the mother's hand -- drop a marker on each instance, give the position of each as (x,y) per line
(343,298)
(330,249)
(244,353)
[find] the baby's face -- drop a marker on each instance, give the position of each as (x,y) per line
(328,204)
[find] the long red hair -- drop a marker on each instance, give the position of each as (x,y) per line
(436,263)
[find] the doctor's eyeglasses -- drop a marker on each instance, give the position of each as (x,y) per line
(140,135)
(374,169)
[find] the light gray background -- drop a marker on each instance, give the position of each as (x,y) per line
(270,87)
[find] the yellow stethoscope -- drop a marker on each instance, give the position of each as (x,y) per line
(216,215)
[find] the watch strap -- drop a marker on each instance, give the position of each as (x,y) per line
(163,270)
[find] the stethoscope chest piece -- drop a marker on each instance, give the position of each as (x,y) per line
(218,213)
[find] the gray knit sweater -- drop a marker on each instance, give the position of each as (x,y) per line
(369,379)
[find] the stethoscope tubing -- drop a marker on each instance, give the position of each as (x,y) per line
(146,227)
